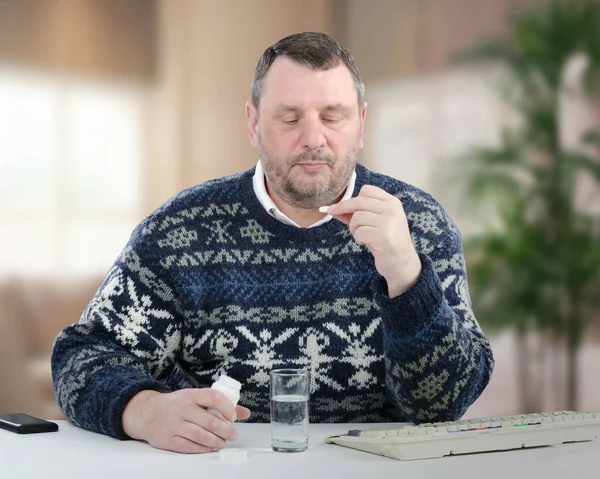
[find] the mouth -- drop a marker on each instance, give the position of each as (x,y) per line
(311,166)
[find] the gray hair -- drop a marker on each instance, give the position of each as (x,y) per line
(313,49)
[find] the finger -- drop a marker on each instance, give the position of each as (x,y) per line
(343,218)
(213,399)
(211,423)
(364,218)
(185,446)
(365,235)
(370,191)
(242,412)
(199,435)
(218,427)
(358,203)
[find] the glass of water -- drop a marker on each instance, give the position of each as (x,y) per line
(290,390)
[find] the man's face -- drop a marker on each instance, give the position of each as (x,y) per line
(308,131)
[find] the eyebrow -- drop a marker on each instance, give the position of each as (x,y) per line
(283,109)
(337,107)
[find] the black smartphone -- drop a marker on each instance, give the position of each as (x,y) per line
(25,424)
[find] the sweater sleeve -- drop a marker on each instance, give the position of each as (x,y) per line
(437,359)
(125,342)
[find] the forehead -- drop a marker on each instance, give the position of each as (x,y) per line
(291,83)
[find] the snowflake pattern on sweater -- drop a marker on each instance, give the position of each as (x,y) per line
(211,284)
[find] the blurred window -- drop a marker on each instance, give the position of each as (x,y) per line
(422,126)
(71,154)
(424,123)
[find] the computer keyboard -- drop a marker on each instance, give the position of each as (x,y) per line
(429,440)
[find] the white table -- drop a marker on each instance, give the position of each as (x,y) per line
(75,453)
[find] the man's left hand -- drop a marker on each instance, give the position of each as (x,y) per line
(376,219)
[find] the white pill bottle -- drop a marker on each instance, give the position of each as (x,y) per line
(228,386)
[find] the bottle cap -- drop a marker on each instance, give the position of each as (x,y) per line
(230,382)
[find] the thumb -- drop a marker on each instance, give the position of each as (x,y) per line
(242,412)
(332,210)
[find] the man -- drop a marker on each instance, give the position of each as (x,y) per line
(307,260)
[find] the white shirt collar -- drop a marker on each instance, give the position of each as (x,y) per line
(258,182)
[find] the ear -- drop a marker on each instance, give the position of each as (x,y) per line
(252,124)
(363,118)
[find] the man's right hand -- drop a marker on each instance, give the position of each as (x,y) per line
(179,421)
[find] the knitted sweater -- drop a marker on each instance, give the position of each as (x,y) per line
(210,284)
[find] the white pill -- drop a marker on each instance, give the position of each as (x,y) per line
(233,454)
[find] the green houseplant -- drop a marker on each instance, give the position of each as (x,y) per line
(536,266)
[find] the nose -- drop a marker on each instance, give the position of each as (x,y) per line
(312,134)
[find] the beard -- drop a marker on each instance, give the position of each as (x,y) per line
(312,192)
